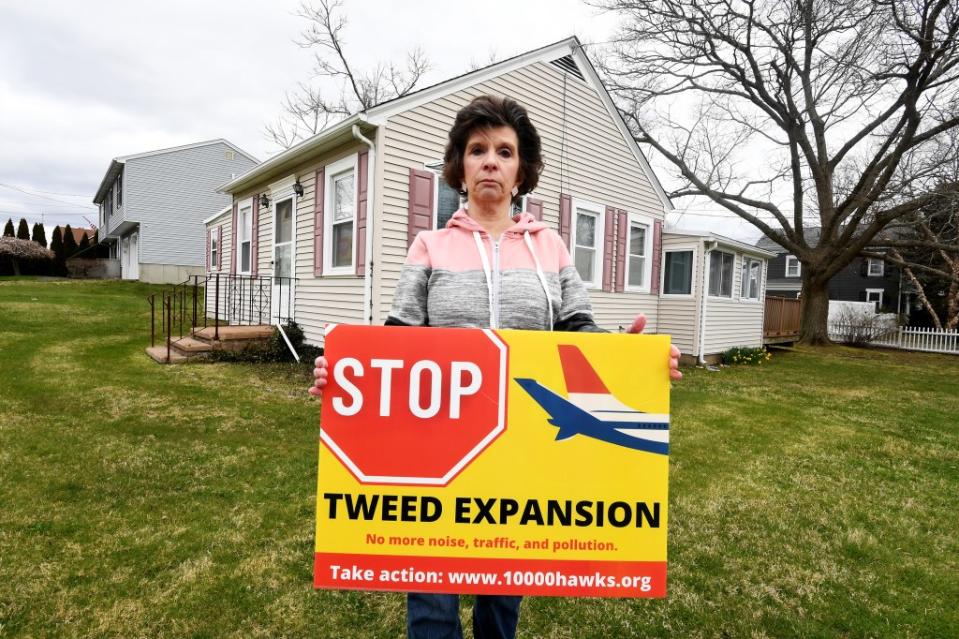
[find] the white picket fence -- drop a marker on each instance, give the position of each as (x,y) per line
(930,340)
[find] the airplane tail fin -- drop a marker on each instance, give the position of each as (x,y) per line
(580,376)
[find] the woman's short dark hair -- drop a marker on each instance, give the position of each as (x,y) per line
(487,112)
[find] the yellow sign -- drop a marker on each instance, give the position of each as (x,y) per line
(493,462)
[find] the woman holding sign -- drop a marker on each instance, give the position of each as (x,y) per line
(488,269)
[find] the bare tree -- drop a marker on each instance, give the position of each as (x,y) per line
(342,89)
(925,246)
(795,113)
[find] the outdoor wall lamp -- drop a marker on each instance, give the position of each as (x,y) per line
(264,201)
(298,188)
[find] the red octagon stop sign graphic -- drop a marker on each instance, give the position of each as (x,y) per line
(409,405)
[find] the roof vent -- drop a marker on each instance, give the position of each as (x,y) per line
(230,155)
(567,64)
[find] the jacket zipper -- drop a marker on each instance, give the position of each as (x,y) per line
(494,312)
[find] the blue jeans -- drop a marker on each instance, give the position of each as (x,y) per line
(430,616)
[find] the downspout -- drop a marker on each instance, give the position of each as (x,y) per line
(701,360)
(370,200)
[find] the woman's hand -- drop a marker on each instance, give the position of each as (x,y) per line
(319,377)
(674,354)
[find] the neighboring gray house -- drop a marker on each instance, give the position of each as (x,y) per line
(152,207)
(865,279)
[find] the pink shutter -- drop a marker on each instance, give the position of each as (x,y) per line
(535,207)
(233,247)
(361,197)
(219,246)
(255,240)
(622,234)
(319,193)
(565,216)
(421,203)
(209,236)
(609,243)
(657,256)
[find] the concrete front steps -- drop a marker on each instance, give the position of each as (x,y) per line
(203,341)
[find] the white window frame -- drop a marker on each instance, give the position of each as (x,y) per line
(349,163)
(118,192)
(248,228)
(743,278)
(600,235)
(214,264)
(870,261)
(793,262)
(649,223)
(692,274)
(732,285)
(879,301)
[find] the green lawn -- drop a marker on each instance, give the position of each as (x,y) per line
(815,496)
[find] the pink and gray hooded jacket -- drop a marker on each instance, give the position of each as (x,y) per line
(460,277)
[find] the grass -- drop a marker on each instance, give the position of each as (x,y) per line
(814,496)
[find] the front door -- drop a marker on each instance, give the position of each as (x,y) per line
(134,262)
(284,225)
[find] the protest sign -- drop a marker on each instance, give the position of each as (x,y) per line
(493,462)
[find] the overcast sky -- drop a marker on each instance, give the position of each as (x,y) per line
(83,82)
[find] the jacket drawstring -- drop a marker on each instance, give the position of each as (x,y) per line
(542,278)
(488,272)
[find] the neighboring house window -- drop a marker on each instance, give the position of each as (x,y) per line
(214,249)
(678,273)
(340,217)
(244,235)
(874,295)
(587,242)
(120,190)
(721,274)
(875,267)
(793,266)
(752,273)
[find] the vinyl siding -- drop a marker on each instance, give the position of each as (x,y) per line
(598,167)
(732,321)
(318,300)
(170,194)
(680,316)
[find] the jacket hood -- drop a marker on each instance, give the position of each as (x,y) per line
(523,222)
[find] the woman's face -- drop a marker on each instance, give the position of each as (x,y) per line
(491,165)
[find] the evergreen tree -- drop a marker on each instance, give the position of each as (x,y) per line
(83,250)
(8,229)
(39,235)
(56,244)
(23,231)
(69,242)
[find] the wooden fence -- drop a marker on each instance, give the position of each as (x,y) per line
(782,319)
(930,340)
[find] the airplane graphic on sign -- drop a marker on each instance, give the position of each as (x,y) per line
(593,411)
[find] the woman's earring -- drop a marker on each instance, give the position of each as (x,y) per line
(515,191)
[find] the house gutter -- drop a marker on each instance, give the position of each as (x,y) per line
(701,360)
(370,200)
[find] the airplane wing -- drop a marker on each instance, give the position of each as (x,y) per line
(562,413)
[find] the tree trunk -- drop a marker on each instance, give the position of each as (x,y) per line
(16,266)
(815,313)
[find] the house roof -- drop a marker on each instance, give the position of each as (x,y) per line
(377,115)
(116,164)
(709,236)
(78,233)
(811,234)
